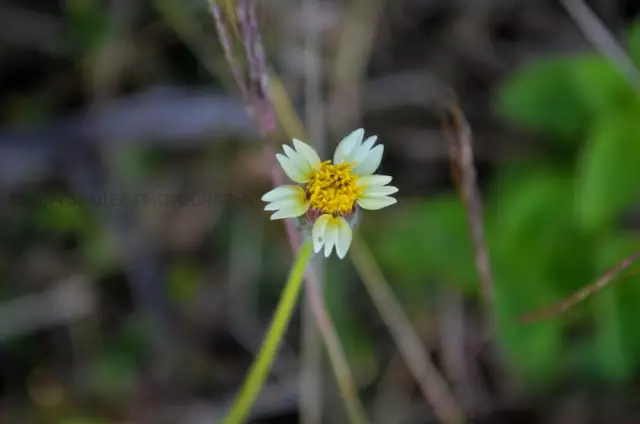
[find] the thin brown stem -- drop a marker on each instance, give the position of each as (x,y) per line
(580,295)
(223,36)
(464,172)
(432,384)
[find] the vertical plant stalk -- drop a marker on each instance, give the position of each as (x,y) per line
(463,171)
(259,371)
(432,384)
(464,174)
(261,110)
(223,36)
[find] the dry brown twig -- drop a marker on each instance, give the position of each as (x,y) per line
(580,295)
(432,384)
(464,172)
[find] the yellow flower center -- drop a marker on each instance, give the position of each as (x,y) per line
(332,189)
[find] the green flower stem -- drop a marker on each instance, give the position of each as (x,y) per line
(260,368)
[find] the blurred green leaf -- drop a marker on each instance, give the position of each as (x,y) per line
(183,282)
(113,372)
(531,226)
(131,338)
(136,163)
(356,341)
(543,97)
(608,172)
(616,313)
(560,96)
(99,251)
(88,25)
(112,375)
(633,42)
(601,86)
(62,213)
(539,256)
(614,360)
(535,350)
(426,240)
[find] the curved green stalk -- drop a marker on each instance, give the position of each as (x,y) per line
(260,368)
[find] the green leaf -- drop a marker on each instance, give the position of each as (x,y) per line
(531,226)
(535,350)
(633,42)
(614,360)
(426,239)
(559,97)
(601,86)
(543,97)
(616,312)
(608,170)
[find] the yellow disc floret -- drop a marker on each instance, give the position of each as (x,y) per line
(332,189)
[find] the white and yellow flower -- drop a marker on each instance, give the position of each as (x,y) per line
(330,192)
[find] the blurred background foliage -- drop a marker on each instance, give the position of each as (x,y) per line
(148,309)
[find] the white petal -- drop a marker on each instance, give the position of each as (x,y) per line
(282,192)
(371,163)
(294,158)
(344,237)
(358,156)
(307,152)
(347,145)
(291,170)
(291,212)
(282,214)
(290,152)
(284,204)
(318,232)
(376,202)
(298,160)
(330,236)
(275,206)
(287,197)
(376,190)
(378,180)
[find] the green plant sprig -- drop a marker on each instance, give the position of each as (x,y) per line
(260,368)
